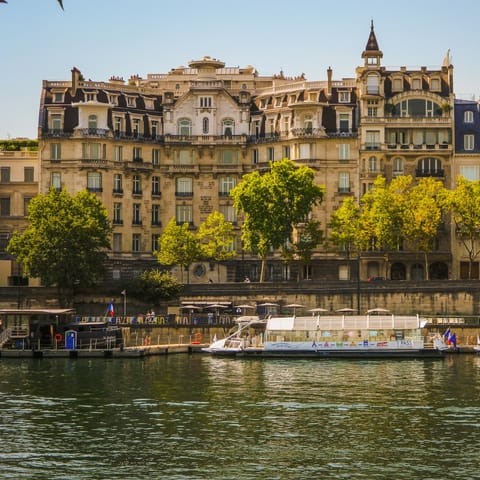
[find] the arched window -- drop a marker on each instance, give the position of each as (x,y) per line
(205,125)
(185,127)
(92,123)
(228,127)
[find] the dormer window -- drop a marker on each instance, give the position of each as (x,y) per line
(113,99)
(149,103)
(90,96)
(344,97)
(397,85)
(312,97)
(435,85)
(131,102)
(58,97)
(416,84)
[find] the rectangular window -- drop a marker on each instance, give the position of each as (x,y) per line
(56,180)
(155,214)
(468,142)
(28,174)
(131,102)
(94,181)
(184,187)
(372,111)
(136,242)
(155,156)
(91,151)
(344,151)
(117,183)
(118,153)
(226,184)
(184,214)
(270,154)
(154,129)
(137,154)
(255,156)
(470,172)
(344,97)
(184,157)
(117,242)
(305,151)
(205,102)
(137,185)
(372,140)
(58,97)
(136,216)
(5,174)
(55,151)
(5,206)
(26,203)
(118,125)
(56,123)
(155,185)
(228,211)
(468,116)
(155,238)
(228,157)
(286,151)
(117,213)
(344,182)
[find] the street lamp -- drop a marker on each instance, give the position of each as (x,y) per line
(124,293)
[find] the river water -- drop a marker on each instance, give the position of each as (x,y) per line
(197,417)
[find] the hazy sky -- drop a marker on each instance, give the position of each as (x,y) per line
(39,41)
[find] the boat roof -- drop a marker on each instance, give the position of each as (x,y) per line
(344,322)
(36,311)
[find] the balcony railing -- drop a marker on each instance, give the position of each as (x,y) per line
(94,132)
(430,173)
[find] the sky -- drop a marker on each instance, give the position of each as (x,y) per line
(39,41)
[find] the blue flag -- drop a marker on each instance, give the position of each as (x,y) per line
(447,333)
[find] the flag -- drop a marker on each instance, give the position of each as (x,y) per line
(452,340)
(447,333)
(123,292)
(111,311)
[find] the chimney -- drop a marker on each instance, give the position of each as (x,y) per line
(329,81)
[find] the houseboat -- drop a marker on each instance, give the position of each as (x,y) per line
(373,335)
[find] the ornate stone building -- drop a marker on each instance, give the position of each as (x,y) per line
(175,144)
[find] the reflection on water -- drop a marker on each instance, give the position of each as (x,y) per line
(198,417)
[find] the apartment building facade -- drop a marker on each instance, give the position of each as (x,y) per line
(173,145)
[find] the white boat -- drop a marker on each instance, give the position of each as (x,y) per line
(477,347)
(375,334)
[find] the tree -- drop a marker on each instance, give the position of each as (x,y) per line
(216,237)
(423,215)
(154,285)
(273,203)
(309,237)
(464,203)
(345,226)
(66,241)
(178,246)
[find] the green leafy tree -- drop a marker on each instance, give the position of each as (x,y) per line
(309,237)
(273,203)
(178,246)
(345,226)
(66,241)
(383,215)
(154,285)
(423,216)
(216,236)
(464,204)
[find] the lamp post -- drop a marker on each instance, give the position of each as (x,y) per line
(124,293)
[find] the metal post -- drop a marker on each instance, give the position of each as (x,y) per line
(124,293)
(358,281)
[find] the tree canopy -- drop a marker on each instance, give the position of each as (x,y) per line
(178,246)
(273,203)
(66,240)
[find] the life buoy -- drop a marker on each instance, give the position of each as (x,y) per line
(147,340)
(58,337)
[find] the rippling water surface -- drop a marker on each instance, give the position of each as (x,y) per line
(198,417)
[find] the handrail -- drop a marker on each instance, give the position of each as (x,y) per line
(4,337)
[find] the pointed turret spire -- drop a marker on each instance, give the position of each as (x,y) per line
(372,53)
